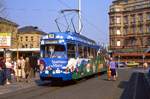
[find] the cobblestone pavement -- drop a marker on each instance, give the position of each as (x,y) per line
(93,88)
(14,86)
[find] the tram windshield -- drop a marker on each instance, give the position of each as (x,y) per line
(54,51)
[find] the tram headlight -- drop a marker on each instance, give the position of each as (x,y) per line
(48,68)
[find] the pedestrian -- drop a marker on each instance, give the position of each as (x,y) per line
(8,70)
(112,66)
(2,71)
(33,64)
(145,65)
(18,73)
(22,64)
(14,63)
(27,70)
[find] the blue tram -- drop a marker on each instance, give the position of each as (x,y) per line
(69,56)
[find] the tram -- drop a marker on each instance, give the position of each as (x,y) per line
(69,56)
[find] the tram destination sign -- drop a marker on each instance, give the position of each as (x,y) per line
(51,36)
(51,42)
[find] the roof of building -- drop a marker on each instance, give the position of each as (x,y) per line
(117,1)
(29,29)
(3,20)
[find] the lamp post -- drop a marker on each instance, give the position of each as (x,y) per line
(17,46)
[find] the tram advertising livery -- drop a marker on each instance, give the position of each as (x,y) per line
(69,56)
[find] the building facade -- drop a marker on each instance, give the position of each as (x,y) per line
(129,30)
(29,40)
(8,35)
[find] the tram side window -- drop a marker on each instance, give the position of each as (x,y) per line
(81,51)
(90,53)
(71,50)
(85,52)
(94,52)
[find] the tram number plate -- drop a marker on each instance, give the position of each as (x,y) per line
(57,71)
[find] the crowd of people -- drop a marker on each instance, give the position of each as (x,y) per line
(16,70)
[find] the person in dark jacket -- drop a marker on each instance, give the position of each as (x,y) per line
(2,71)
(27,69)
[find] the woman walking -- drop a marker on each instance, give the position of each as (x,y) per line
(112,66)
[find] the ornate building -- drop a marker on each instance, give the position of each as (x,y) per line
(129,30)
(29,40)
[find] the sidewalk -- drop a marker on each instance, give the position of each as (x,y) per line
(14,86)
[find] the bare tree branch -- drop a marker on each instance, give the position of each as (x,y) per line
(3,9)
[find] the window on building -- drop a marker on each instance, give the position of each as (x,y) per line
(148,41)
(148,16)
(118,32)
(26,46)
(125,20)
(22,46)
(133,18)
(141,29)
(31,38)
(125,30)
(118,20)
(140,17)
(113,42)
(111,20)
(133,29)
(148,28)
(117,9)
(21,38)
(26,38)
(112,31)
(118,43)
(31,45)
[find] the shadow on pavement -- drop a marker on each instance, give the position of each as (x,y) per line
(123,84)
(54,83)
(135,88)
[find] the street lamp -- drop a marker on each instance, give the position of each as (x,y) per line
(17,46)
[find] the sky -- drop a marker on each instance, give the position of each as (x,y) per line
(42,13)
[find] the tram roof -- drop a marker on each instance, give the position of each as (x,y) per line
(68,36)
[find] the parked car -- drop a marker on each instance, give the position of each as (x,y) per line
(132,64)
(121,64)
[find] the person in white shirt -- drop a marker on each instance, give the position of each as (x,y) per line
(22,64)
(8,70)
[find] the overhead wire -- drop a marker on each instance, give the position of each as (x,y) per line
(90,23)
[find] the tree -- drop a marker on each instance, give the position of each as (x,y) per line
(2,9)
